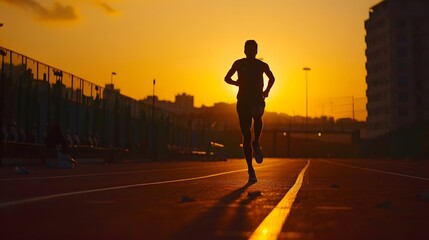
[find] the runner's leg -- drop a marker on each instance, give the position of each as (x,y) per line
(257,113)
(247,138)
(257,128)
(245,119)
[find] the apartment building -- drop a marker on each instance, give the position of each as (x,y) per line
(397,40)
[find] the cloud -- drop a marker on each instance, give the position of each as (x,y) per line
(108,9)
(57,12)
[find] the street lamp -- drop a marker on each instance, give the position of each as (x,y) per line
(154,150)
(306,69)
(153,102)
(111,77)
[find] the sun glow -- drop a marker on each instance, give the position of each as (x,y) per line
(191,51)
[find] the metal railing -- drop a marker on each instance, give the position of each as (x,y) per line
(35,94)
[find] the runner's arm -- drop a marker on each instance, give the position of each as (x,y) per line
(271,80)
(229,74)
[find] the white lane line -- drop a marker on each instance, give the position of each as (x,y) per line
(101,174)
(85,175)
(272,225)
(378,171)
(36,199)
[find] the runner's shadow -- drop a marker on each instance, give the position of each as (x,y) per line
(220,217)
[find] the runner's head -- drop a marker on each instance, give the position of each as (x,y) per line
(251,48)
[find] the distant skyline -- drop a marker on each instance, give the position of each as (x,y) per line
(188,46)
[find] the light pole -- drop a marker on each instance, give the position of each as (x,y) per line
(153,104)
(154,150)
(306,69)
(111,77)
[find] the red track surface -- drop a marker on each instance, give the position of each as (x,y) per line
(339,199)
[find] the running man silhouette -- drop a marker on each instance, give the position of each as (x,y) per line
(250,100)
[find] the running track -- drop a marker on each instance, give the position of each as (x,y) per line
(293,199)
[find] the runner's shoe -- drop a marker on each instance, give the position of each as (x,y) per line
(257,152)
(252,177)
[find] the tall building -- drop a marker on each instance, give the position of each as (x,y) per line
(397,40)
(184,103)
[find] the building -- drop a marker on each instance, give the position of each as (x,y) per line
(397,40)
(183,104)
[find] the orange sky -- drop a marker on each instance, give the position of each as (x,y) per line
(189,45)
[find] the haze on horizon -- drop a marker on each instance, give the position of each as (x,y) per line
(188,46)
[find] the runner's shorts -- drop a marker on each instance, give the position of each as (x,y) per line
(250,109)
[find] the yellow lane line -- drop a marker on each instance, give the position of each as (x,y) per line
(272,225)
